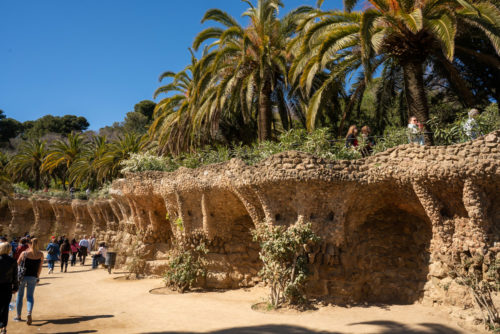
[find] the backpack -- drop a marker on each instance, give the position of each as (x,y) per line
(21,269)
(51,250)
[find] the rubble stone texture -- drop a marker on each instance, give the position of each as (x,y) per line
(390,224)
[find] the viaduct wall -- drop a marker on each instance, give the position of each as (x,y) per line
(390,224)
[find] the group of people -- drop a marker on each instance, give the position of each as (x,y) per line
(21,264)
(366,142)
(415,129)
(61,249)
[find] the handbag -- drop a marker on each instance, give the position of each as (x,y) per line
(21,269)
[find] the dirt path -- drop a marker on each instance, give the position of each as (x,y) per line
(85,301)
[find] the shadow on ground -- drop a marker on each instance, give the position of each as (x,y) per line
(77,332)
(386,327)
(70,320)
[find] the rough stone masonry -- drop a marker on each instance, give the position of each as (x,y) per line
(390,224)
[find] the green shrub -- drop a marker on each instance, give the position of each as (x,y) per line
(284,260)
(185,265)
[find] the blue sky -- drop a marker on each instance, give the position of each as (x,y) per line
(96,58)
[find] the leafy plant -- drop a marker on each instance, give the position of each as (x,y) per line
(284,260)
(185,265)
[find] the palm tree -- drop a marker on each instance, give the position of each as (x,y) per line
(27,164)
(5,182)
(108,165)
(84,171)
(62,154)
(408,31)
(250,69)
(180,123)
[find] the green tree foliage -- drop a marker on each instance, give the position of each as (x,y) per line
(140,119)
(54,124)
(9,128)
(146,108)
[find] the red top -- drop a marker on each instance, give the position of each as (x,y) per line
(19,250)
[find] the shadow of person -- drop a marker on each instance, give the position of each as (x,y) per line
(394,327)
(70,320)
(264,329)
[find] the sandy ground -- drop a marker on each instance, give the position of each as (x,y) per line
(86,301)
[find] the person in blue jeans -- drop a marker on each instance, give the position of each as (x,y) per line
(53,252)
(33,261)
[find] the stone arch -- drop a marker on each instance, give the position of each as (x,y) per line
(387,247)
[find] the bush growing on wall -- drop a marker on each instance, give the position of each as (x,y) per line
(186,261)
(284,260)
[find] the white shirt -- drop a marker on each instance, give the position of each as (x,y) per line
(84,242)
(103,251)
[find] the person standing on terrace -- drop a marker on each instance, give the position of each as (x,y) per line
(471,128)
(351,139)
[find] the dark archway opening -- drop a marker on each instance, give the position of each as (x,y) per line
(389,257)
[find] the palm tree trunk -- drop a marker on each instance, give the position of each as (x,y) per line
(265,112)
(457,81)
(416,99)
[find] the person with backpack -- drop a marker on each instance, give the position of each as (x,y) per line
(52,255)
(31,261)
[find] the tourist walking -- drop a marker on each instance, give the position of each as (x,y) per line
(8,283)
(92,243)
(32,259)
(100,256)
(74,251)
(53,252)
(351,137)
(65,252)
(21,248)
(84,246)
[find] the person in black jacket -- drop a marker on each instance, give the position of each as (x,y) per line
(8,283)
